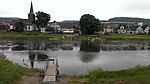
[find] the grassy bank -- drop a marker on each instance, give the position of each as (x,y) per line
(10,73)
(119,37)
(137,75)
(126,36)
(31,35)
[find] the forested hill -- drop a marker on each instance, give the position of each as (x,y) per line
(129,19)
(8,19)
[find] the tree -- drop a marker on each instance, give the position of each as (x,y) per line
(149,32)
(19,26)
(89,24)
(50,30)
(42,19)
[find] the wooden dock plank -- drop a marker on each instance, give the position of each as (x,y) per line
(49,79)
(51,73)
(51,70)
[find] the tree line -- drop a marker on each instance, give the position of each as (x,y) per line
(89,25)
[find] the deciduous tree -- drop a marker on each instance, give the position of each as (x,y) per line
(89,24)
(42,19)
(19,26)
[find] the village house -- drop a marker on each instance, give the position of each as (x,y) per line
(65,28)
(139,30)
(126,29)
(122,30)
(130,30)
(4,26)
(29,26)
(107,28)
(147,30)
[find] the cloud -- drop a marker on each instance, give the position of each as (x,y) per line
(3,12)
(136,6)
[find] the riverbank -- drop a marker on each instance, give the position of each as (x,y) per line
(9,72)
(13,74)
(31,35)
(119,37)
(137,75)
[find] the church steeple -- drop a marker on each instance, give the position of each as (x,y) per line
(31,15)
(31,8)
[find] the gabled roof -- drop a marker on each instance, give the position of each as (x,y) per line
(4,23)
(25,21)
(63,25)
(144,27)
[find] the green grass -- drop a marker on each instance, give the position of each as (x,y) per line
(31,35)
(10,73)
(137,75)
(119,37)
(126,36)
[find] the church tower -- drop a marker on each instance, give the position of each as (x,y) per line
(31,15)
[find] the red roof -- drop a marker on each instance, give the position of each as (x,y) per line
(4,23)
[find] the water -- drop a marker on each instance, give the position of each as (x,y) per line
(76,57)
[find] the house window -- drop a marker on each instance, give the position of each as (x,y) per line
(29,27)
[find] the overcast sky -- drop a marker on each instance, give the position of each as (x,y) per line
(74,9)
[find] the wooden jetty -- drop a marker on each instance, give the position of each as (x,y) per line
(51,72)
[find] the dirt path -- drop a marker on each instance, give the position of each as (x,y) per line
(36,78)
(32,78)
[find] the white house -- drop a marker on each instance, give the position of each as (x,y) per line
(108,28)
(130,30)
(139,30)
(55,25)
(28,24)
(122,30)
(147,30)
(43,30)
(66,28)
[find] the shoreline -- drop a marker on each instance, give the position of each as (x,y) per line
(136,75)
(46,36)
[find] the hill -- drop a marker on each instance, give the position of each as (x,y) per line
(129,19)
(8,19)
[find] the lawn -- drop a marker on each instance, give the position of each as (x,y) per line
(10,73)
(136,75)
(119,37)
(31,35)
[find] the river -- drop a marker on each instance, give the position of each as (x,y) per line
(77,57)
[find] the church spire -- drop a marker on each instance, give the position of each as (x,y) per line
(31,15)
(31,8)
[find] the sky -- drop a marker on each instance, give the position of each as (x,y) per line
(73,9)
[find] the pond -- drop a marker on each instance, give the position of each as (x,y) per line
(77,57)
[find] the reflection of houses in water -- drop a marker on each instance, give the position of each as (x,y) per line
(6,45)
(8,48)
(124,47)
(36,45)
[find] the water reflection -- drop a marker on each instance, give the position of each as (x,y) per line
(32,58)
(87,57)
(36,57)
(90,46)
(116,45)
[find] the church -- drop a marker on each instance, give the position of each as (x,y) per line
(29,26)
